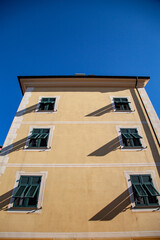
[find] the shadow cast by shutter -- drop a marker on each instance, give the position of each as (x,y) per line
(101,111)
(107,148)
(5,200)
(118,205)
(26,110)
(16,146)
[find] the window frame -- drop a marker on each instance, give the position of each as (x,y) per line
(48,111)
(122,111)
(129,136)
(49,142)
(131,194)
(22,209)
(135,148)
(38,138)
(26,197)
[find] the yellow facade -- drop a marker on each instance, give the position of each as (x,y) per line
(85,193)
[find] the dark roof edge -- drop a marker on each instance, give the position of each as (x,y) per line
(81,76)
(20,84)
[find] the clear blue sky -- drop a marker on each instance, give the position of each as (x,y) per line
(63,37)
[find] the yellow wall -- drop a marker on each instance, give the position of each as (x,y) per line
(74,195)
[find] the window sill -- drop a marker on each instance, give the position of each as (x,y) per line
(133,148)
(124,111)
(46,111)
(24,210)
(40,149)
(146,208)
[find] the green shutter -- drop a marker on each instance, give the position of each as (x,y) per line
(47,104)
(39,134)
(32,191)
(151,189)
(43,135)
(34,136)
(144,192)
(20,191)
(26,194)
(126,135)
(135,135)
(140,190)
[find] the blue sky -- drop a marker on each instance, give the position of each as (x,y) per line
(64,37)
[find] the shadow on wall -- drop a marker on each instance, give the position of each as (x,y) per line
(107,148)
(26,110)
(118,205)
(16,146)
(101,111)
(146,128)
(5,200)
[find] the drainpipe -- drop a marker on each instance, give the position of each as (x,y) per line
(146,112)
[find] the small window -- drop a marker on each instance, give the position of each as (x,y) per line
(122,104)
(144,192)
(27,192)
(130,137)
(39,138)
(47,104)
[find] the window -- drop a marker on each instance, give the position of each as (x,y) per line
(47,104)
(144,192)
(39,138)
(130,137)
(27,192)
(121,104)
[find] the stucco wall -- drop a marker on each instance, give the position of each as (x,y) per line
(86,188)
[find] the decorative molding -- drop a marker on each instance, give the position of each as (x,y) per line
(79,165)
(76,235)
(84,122)
(12,134)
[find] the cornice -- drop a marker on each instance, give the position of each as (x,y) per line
(81,81)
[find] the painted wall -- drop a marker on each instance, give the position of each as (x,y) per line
(86,188)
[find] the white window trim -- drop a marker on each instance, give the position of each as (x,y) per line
(129,184)
(144,147)
(38,209)
(55,106)
(51,127)
(130,104)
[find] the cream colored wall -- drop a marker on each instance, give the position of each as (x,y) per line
(76,193)
(76,105)
(72,198)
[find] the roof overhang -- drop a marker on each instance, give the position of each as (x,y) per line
(81,81)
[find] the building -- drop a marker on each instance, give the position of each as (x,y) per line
(81,161)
